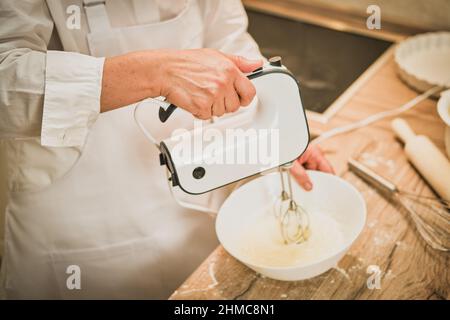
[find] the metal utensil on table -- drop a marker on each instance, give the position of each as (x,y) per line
(431,215)
(292,218)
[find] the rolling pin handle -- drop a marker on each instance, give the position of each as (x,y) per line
(402,129)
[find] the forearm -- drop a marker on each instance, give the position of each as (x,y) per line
(204,82)
(130,78)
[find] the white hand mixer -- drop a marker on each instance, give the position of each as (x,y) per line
(279,118)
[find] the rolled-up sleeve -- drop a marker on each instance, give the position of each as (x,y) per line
(73,85)
(51,94)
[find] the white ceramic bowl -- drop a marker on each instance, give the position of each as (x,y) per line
(331,195)
(443,107)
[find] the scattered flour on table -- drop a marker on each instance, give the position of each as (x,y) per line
(372,223)
(343,272)
(382,238)
(213,283)
(212,275)
(374,160)
(389,274)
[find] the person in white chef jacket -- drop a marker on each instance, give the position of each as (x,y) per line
(86,194)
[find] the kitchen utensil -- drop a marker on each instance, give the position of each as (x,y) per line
(279,120)
(423,60)
(443,107)
(292,217)
(426,157)
(332,198)
(377,116)
(430,215)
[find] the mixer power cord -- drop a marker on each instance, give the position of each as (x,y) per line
(152,139)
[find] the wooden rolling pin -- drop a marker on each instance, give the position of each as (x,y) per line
(426,157)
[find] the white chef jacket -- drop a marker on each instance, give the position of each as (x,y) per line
(32,29)
(50,85)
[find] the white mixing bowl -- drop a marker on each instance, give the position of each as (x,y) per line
(331,195)
(443,107)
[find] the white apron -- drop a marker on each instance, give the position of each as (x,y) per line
(111,217)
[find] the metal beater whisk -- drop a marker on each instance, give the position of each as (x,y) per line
(292,218)
(431,215)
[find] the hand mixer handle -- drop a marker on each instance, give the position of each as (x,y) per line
(164,114)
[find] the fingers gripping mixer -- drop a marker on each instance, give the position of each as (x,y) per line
(276,132)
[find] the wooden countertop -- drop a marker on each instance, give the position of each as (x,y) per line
(409,268)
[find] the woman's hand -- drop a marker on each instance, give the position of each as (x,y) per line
(205,82)
(312,159)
